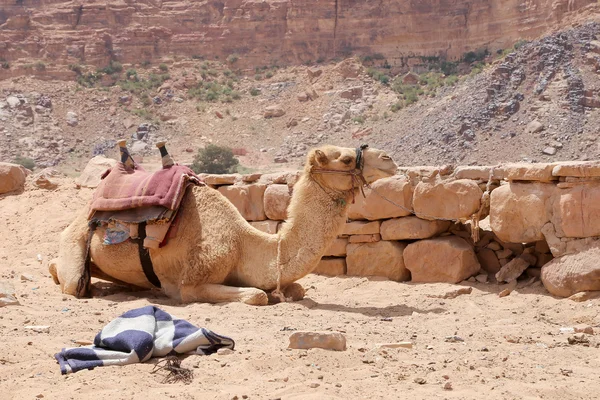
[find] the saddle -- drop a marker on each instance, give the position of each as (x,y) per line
(139,206)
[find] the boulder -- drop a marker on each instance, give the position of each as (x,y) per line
(373,206)
(266,226)
(273,111)
(488,260)
(445,259)
(361,228)
(535,126)
(412,228)
(93,171)
(518,211)
(276,201)
(46,179)
(349,68)
(333,266)
(381,258)
(451,199)
(12,177)
(248,199)
(573,273)
(352,93)
(13,101)
(337,248)
(576,211)
(410,78)
(72,118)
(7,294)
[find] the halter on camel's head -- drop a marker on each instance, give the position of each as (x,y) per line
(356,174)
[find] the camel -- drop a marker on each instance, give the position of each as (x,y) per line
(217,256)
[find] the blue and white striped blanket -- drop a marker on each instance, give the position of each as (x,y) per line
(139,335)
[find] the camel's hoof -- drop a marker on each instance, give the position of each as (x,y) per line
(257,299)
(52,270)
(294,291)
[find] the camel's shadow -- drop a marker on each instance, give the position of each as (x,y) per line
(398,310)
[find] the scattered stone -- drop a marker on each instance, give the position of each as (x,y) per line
(512,285)
(410,78)
(420,381)
(45,179)
(27,277)
(549,150)
(404,345)
(38,328)
(447,386)
(219,114)
(273,111)
(13,101)
(321,340)
(315,385)
(579,338)
(72,118)
(83,342)
(583,328)
(535,126)
(482,278)
(514,268)
(453,293)
(585,296)
(454,339)
(8,296)
(352,93)
(224,351)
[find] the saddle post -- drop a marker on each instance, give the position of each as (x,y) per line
(167,160)
(126,158)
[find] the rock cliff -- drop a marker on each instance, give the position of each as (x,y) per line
(267,32)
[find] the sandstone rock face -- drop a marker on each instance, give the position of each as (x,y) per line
(373,206)
(277,200)
(248,199)
(412,228)
(447,199)
(95,168)
(518,211)
(573,273)
(382,258)
(280,31)
(445,259)
(577,211)
(331,267)
(12,177)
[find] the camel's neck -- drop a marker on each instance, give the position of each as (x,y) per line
(314,221)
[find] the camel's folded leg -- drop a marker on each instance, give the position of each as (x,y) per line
(214,293)
(70,266)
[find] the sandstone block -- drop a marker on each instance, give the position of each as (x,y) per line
(361,228)
(444,259)
(7,294)
(248,199)
(583,169)
(526,172)
(46,179)
(535,126)
(577,211)
(364,238)
(412,228)
(352,93)
(333,266)
(267,226)
(277,200)
(373,206)
(380,259)
(543,259)
(447,199)
(518,211)
(320,340)
(488,260)
(224,179)
(513,269)
(473,172)
(337,248)
(573,273)
(95,168)
(12,177)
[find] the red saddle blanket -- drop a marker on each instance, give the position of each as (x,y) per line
(125,189)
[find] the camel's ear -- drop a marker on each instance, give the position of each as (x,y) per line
(321,158)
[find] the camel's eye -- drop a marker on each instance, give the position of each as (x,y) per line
(384,157)
(347,160)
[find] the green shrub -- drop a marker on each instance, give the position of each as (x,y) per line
(360,119)
(131,74)
(258,77)
(395,107)
(39,66)
(232,58)
(215,159)
(76,68)
(5,65)
(269,74)
(146,63)
(142,113)
(163,67)
(24,161)
(451,80)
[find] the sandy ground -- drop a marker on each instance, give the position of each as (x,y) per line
(512,348)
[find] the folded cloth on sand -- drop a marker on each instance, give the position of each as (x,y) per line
(123,188)
(139,335)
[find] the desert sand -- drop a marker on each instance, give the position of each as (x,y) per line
(507,348)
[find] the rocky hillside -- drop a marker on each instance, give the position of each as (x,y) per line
(536,101)
(258,33)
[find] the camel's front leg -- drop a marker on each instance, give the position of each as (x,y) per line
(215,293)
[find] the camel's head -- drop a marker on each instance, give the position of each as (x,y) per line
(331,163)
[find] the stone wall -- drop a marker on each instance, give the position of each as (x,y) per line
(430,224)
